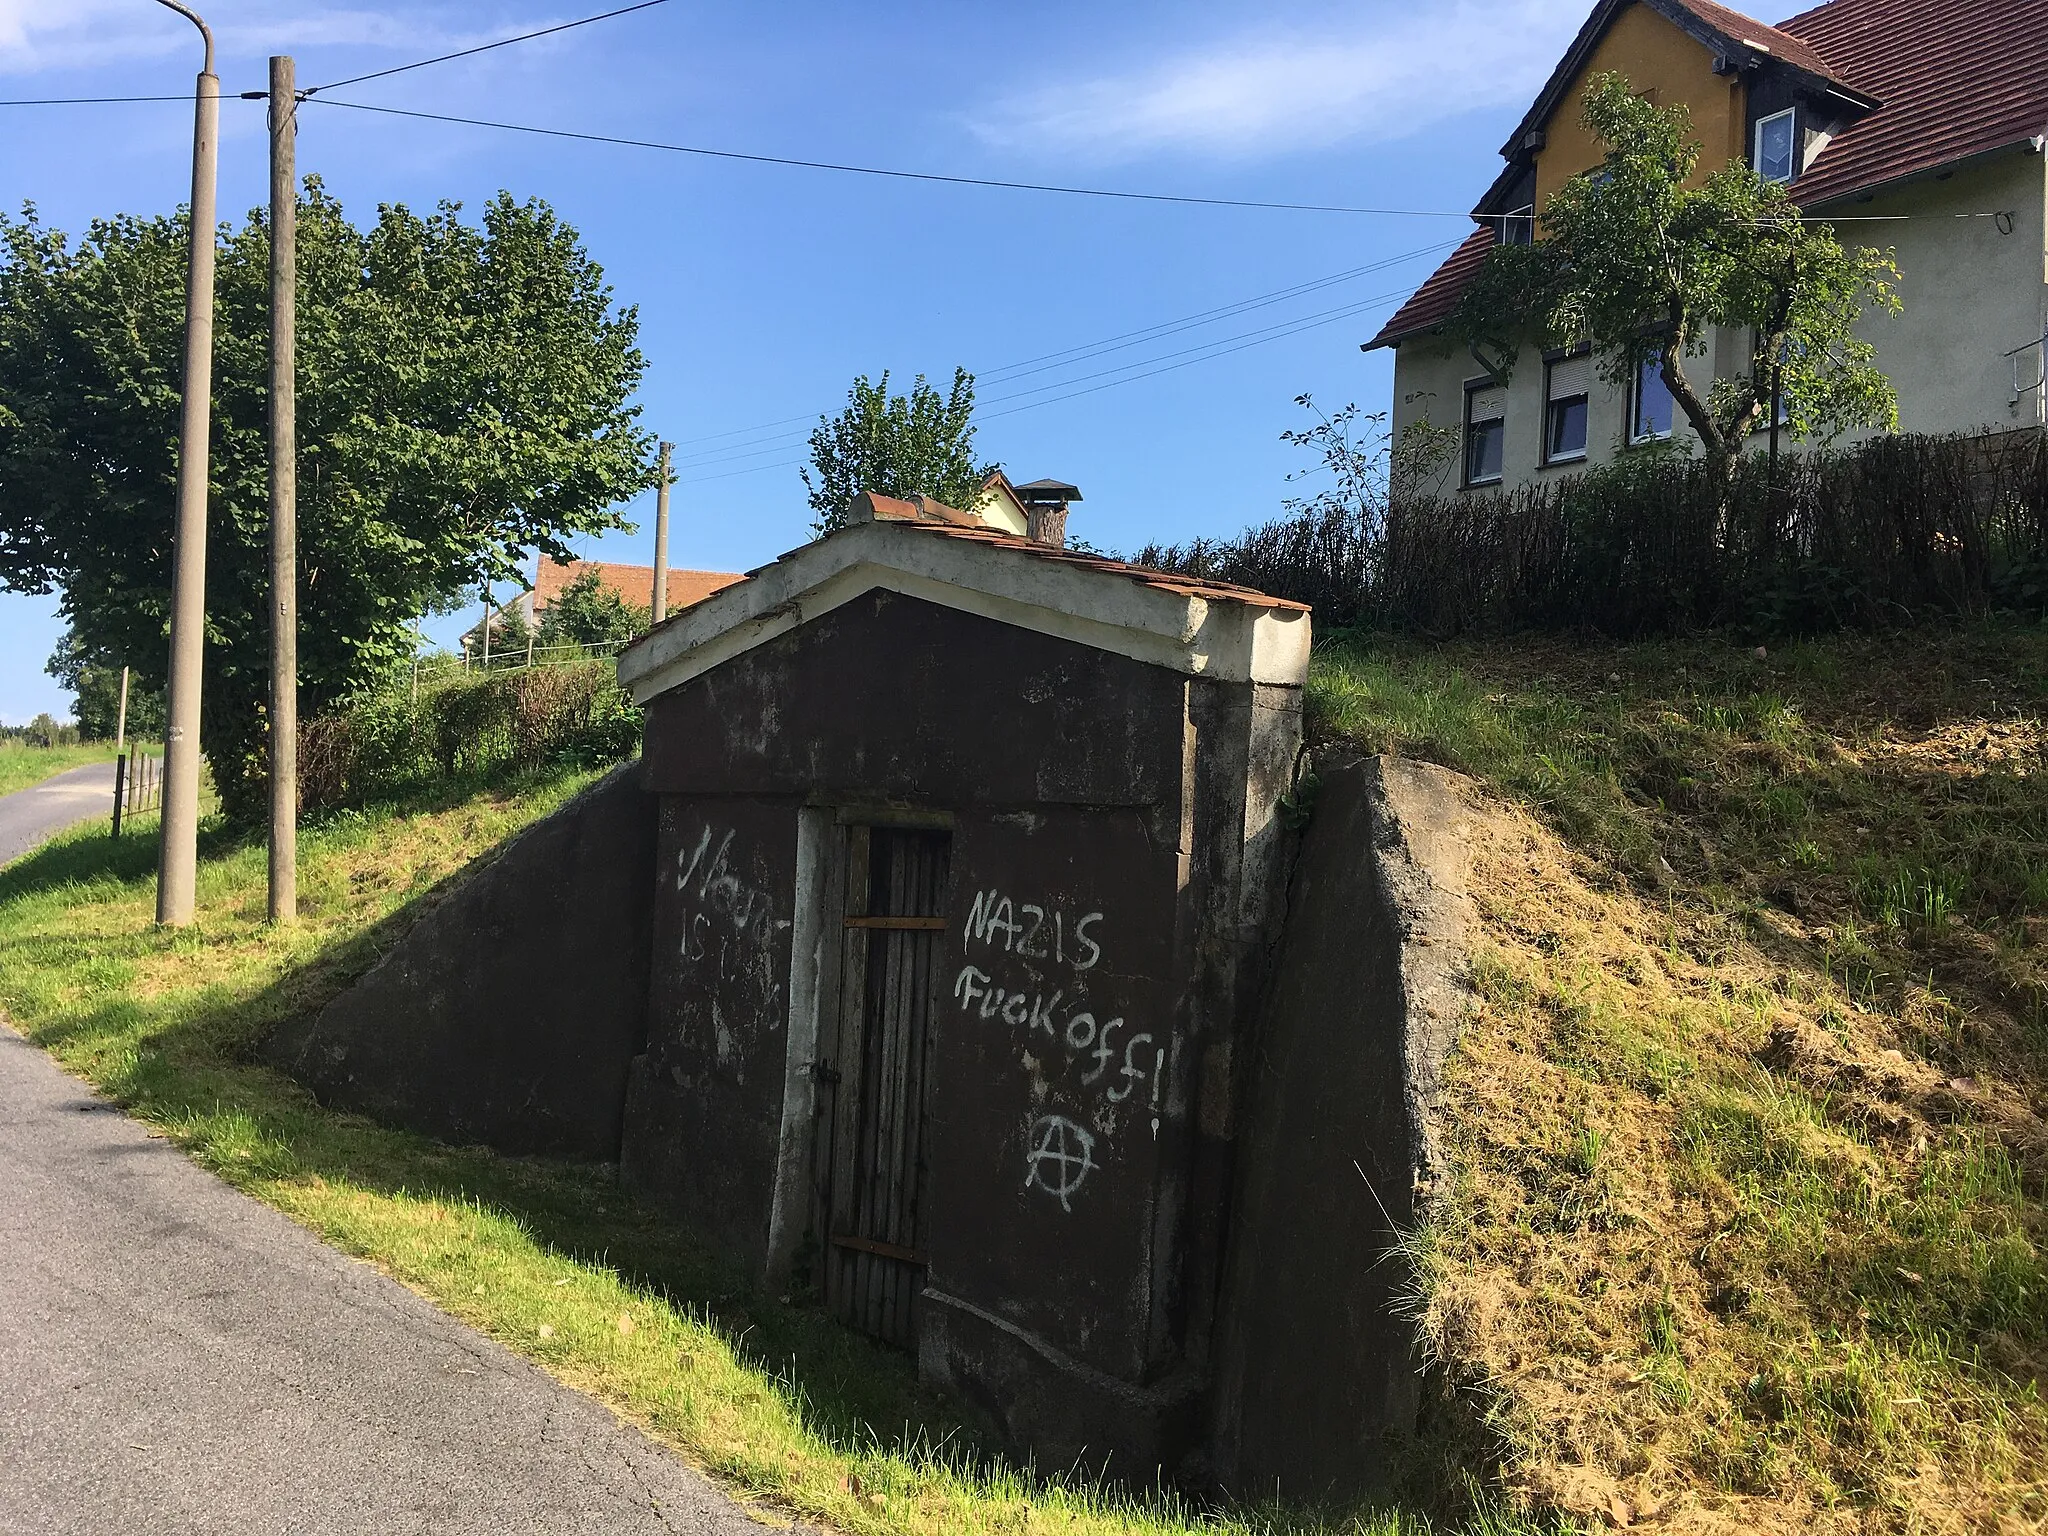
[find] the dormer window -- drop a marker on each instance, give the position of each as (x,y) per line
(1777,146)
(1519,227)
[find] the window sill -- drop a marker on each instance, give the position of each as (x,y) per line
(1649,438)
(1483,485)
(1563,460)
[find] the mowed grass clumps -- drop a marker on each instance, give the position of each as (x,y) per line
(788,1408)
(1746,1228)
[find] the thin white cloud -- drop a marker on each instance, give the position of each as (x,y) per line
(1371,78)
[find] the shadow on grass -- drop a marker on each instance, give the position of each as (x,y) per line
(191,1058)
(187,1059)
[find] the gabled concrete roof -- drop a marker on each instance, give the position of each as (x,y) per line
(1205,629)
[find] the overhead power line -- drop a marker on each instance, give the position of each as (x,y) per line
(712,437)
(1165,328)
(1263,333)
(465,53)
(899,175)
(1081,352)
(88,101)
(1221,348)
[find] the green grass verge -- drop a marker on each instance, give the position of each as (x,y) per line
(547,1257)
(22,766)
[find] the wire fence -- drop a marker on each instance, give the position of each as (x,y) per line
(441,666)
(138,786)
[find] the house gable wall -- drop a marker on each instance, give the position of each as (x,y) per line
(1668,66)
(892,697)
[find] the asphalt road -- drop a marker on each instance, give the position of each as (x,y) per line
(28,816)
(175,1357)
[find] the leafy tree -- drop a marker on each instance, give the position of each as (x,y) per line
(1645,258)
(462,400)
(895,445)
(96,689)
(508,629)
(589,613)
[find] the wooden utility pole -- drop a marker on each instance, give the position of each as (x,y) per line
(178,851)
(284,494)
(658,609)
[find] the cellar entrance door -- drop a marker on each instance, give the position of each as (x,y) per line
(892,958)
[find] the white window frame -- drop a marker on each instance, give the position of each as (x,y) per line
(1790,115)
(1551,402)
(1636,435)
(1473,388)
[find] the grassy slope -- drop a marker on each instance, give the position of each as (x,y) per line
(1749,1124)
(546,1257)
(21,766)
(1747,1226)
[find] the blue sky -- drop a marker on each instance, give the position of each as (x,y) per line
(762,291)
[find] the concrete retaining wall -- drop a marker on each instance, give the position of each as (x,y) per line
(510,1011)
(1316,1382)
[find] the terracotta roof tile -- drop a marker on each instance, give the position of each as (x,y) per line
(1433,302)
(930,518)
(1957,78)
(1776,41)
(634,584)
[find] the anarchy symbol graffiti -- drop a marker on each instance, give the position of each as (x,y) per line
(1062,1155)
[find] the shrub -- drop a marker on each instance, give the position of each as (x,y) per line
(469,726)
(1895,530)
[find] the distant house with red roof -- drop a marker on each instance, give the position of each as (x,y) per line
(634,585)
(1925,118)
(1036,511)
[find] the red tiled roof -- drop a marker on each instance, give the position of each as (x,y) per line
(1432,303)
(914,509)
(936,518)
(633,583)
(1956,78)
(1776,41)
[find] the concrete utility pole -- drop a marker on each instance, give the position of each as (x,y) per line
(121,752)
(659,607)
(178,852)
(284,494)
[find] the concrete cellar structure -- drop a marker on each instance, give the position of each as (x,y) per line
(968,861)
(949,956)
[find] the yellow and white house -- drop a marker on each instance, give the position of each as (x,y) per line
(1920,124)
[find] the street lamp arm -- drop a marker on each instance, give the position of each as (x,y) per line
(193,16)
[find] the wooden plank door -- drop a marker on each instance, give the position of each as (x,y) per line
(894,953)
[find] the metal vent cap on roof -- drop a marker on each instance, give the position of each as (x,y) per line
(1048,493)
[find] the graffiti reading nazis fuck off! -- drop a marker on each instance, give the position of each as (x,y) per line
(1109,1058)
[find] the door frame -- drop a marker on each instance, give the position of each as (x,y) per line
(800,1210)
